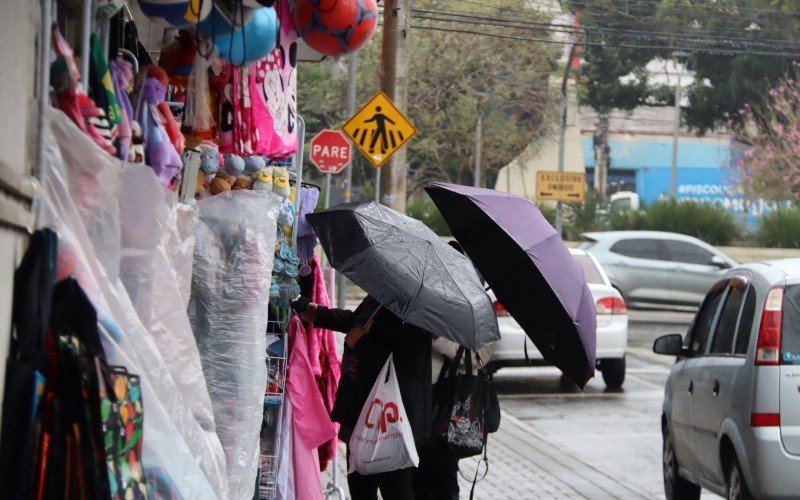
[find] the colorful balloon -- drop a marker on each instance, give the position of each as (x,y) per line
(336,27)
(226,16)
(176,13)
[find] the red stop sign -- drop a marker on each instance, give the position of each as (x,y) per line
(330,151)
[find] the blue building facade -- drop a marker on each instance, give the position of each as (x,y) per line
(642,164)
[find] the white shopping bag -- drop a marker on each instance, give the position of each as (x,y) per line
(382,440)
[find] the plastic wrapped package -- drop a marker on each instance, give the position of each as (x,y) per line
(180,245)
(233,258)
(80,201)
(146,270)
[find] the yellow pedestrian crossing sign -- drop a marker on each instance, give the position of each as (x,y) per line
(378,129)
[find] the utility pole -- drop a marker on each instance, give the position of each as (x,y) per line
(562,129)
(394,82)
(478,141)
(676,125)
(352,71)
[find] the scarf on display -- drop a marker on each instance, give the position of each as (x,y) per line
(121,77)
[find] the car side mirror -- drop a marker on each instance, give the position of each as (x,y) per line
(718,261)
(671,345)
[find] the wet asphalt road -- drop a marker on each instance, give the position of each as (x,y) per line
(617,432)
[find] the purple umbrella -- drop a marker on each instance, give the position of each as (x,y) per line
(529,269)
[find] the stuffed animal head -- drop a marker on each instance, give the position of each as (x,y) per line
(242,183)
(280,181)
(253,164)
(209,158)
(262,180)
(155,85)
(234,164)
(221,182)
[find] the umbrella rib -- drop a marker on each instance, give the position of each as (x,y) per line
(422,278)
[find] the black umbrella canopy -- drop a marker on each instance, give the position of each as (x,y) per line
(409,270)
(529,269)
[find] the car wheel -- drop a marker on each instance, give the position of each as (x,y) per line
(737,486)
(675,487)
(613,372)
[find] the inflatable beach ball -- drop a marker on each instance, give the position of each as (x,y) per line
(176,13)
(253,41)
(336,27)
(226,17)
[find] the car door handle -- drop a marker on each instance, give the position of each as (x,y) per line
(691,387)
(716,388)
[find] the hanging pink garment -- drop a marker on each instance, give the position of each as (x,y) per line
(311,422)
(275,89)
(322,348)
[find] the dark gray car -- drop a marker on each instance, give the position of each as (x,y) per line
(731,413)
(657,268)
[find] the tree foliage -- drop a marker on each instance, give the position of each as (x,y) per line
(452,77)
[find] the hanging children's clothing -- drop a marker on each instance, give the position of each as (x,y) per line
(311,422)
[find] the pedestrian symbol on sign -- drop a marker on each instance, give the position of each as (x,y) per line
(378,129)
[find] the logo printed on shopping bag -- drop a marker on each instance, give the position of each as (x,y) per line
(388,413)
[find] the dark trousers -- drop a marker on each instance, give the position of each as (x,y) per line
(436,480)
(394,485)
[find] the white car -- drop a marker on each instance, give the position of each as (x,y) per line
(612,329)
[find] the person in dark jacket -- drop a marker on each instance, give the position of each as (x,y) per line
(367,346)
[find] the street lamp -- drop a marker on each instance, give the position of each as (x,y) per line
(673,181)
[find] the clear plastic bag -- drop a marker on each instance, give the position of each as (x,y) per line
(233,258)
(382,439)
(80,200)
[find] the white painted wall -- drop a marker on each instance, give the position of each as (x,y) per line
(19,21)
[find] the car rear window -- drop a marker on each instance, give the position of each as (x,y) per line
(790,333)
(590,271)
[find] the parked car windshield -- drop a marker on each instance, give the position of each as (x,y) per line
(590,271)
(790,333)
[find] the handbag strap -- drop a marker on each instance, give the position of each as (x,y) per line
(485,460)
(461,353)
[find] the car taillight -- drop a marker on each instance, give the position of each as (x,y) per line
(499,310)
(611,305)
(768,347)
(765,419)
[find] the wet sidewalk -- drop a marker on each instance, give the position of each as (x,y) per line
(524,464)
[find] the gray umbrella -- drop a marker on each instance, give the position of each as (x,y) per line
(409,270)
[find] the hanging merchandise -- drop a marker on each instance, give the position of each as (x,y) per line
(336,27)
(108,8)
(253,41)
(225,17)
(82,200)
(26,362)
(198,122)
(176,13)
(276,87)
(311,422)
(233,259)
(70,98)
(178,50)
(163,141)
(306,238)
(121,77)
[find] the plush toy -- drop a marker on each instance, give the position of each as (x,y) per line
(253,164)
(199,183)
(234,164)
(280,181)
(160,146)
(242,183)
(209,158)
(262,180)
(221,182)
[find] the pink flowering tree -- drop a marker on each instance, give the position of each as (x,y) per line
(770,138)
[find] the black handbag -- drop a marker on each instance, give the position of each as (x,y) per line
(461,405)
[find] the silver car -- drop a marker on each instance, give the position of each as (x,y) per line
(731,413)
(657,268)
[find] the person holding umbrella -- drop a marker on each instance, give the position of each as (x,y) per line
(372,333)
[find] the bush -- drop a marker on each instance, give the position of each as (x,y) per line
(780,228)
(423,209)
(589,215)
(710,223)
(628,220)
